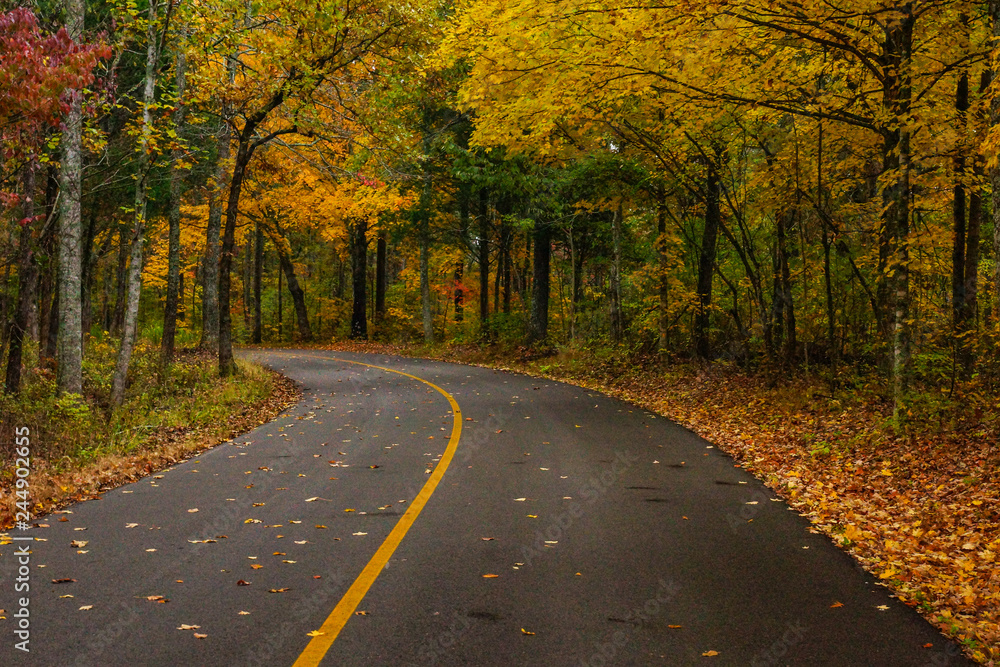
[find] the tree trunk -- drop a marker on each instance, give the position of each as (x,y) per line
(663,282)
(139,229)
(87,263)
(298,296)
(174,235)
(70,352)
(118,318)
(359,274)
(51,342)
(380,276)
(210,265)
(258,270)
(247,284)
(617,324)
(425,282)
(959,229)
(538,323)
(706,264)
(484,263)
(27,278)
(896,195)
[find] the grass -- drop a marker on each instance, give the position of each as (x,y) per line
(79,446)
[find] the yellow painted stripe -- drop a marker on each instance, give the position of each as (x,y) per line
(335,622)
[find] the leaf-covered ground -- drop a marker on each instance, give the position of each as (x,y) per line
(920,510)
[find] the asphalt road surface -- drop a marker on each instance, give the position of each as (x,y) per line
(449,515)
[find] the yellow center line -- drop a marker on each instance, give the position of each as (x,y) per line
(314,652)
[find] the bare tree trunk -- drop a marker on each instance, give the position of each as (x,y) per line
(70,352)
(174,235)
(706,264)
(258,270)
(425,284)
(27,278)
(210,266)
(380,276)
(896,195)
(139,229)
(538,322)
(359,271)
(298,296)
(663,282)
(484,263)
(617,325)
(118,317)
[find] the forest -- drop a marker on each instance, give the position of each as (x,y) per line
(783,189)
(780,185)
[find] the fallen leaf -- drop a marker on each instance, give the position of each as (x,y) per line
(241,582)
(78,544)
(526,632)
(836,605)
(278,590)
(198,636)
(63,581)
(710,654)
(315,633)
(185,626)
(86,607)
(487,539)
(256,567)
(490,576)
(361,613)
(60,597)
(192,511)
(244,613)
(675,627)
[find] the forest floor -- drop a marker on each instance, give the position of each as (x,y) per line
(79,451)
(918,507)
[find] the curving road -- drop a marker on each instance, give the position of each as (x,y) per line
(373,524)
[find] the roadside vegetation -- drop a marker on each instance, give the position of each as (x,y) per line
(80,447)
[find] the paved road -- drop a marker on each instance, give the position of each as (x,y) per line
(569,528)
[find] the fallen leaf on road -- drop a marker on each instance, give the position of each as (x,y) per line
(675,627)
(156,598)
(321,526)
(278,590)
(532,516)
(256,567)
(198,636)
(526,632)
(60,597)
(490,576)
(882,607)
(150,550)
(487,539)
(241,582)
(359,533)
(835,605)
(315,633)
(710,654)
(192,511)
(63,581)
(361,613)
(244,613)
(288,561)
(519,500)
(131,525)
(78,544)
(86,607)
(185,626)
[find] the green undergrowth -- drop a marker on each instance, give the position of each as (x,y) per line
(162,403)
